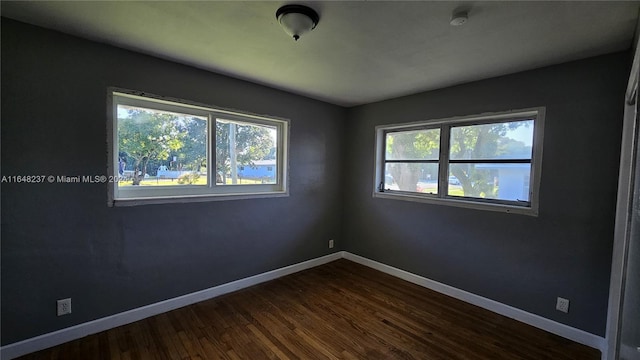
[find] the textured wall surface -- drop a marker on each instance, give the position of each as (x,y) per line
(518,260)
(61,240)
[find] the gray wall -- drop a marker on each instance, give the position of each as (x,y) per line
(61,240)
(518,260)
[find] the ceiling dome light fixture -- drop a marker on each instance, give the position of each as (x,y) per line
(297,19)
(459,18)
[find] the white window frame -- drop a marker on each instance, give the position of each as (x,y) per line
(442,198)
(192,193)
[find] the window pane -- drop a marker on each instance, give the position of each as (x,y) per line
(411,177)
(507,140)
(246,154)
(413,145)
(490,181)
(161,148)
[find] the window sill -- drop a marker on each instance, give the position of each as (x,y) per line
(504,208)
(193,198)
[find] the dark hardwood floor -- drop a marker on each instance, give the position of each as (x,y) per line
(340,310)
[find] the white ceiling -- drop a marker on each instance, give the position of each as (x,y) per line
(361,51)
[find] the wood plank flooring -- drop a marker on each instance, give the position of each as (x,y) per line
(340,310)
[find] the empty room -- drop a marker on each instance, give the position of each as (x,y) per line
(319,180)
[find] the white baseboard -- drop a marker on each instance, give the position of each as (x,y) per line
(62,336)
(540,322)
(78,331)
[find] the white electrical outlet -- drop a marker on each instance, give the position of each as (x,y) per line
(331,244)
(64,306)
(562,305)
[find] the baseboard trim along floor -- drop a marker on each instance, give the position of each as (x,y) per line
(44,341)
(540,322)
(62,336)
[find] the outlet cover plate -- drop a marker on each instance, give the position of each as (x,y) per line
(64,306)
(562,304)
